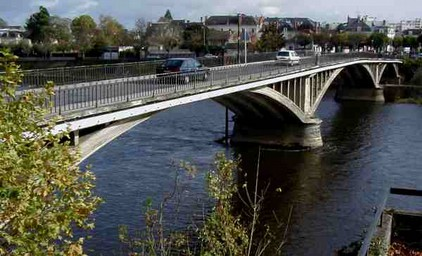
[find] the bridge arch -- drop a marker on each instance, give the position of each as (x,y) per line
(357,76)
(389,72)
(263,105)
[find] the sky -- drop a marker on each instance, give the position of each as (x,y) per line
(15,12)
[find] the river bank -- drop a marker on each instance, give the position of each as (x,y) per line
(403,93)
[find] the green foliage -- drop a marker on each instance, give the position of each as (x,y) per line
(271,39)
(321,39)
(168,35)
(139,35)
(223,233)
(21,48)
(419,39)
(43,193)
(378,247)
(83,31)
(155,239)
(410,41)
(193,38)
(37,25)
(378,40)
(59,32)
(112,32)
(303,39)
(357,40)
(398,41)
(410,68)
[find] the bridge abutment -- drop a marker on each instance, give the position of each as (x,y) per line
(289,135)
(361,94)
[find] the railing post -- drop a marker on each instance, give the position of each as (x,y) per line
(96,95)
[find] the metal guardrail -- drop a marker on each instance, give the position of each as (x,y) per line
(82,74)
(150,88)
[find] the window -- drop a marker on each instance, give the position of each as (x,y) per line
(283,54)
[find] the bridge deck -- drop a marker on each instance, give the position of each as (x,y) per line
(80,100)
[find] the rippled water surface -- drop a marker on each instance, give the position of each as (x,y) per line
(331,192)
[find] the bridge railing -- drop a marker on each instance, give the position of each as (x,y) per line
(150,88)
(82,74)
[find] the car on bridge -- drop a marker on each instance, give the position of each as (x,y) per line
(184,69)
(288,57)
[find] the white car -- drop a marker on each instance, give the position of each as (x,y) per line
(288,57)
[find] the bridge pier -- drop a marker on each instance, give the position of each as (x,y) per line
(288,135)
(74,138)
(362,94)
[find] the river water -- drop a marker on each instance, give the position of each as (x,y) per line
(332,193)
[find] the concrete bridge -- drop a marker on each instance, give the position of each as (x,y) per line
(273,103)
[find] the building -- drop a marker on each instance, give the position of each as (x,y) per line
(231,23)
(412,32)
(355,25)
(10,35)
(409,24)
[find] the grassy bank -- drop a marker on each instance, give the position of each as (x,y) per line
(410,101)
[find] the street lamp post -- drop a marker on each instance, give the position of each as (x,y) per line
(238,38)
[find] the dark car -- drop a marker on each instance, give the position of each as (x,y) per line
(184,69)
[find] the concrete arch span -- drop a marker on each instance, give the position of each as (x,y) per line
(389,73)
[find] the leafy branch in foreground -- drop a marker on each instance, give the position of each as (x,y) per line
(43,193)
(222,232)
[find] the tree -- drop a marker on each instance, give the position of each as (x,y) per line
(343,39)
(113,32)
(194,38)
(398,41)
(378,40)
(37,25)
(59,33)
(271,39)
(44,195)
(3,23)
(321,39)
(303,39)
(139,35)
(419,40)
(357,40)
(168,35)
(83,31)
(410,41)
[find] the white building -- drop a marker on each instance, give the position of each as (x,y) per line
(409,24)
(12,35)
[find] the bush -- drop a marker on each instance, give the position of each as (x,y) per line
(44,195)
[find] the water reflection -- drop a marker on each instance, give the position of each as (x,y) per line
(333,190)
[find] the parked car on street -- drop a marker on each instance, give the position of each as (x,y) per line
(187,69)
(288,57)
